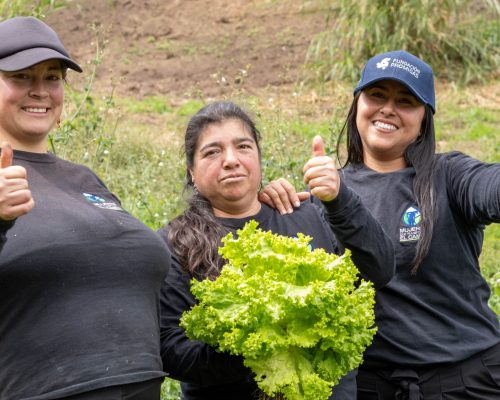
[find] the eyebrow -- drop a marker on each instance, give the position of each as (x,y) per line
(236,140)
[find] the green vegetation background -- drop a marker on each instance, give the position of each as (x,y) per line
(144,165)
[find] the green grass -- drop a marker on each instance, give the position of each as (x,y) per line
(147,105)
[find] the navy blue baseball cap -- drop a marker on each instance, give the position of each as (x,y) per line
(403,67)
(26,41)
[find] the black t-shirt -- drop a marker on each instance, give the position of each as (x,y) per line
(79,288)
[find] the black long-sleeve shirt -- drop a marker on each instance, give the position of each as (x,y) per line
(79,288)
(440,314)
(208,374)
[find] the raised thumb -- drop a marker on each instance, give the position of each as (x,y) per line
(6,156)
(318,147)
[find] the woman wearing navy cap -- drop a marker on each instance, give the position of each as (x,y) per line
(79,276)
(437,337)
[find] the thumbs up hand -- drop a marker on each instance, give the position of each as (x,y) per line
(15,196)
(321,174)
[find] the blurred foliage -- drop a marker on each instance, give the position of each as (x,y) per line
(458,38)
(489,263)
(13,8)
(170,390)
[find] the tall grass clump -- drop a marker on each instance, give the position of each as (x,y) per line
(459,38)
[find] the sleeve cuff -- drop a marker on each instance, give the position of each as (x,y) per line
(341,202)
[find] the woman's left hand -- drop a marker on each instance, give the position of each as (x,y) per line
(321,174)
(15,195)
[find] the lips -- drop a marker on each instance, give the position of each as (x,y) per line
(231,177)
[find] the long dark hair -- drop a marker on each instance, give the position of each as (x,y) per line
(419,155)
(196,234)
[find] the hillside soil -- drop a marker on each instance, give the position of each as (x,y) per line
(185,48)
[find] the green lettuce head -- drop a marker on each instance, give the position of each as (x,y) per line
(300,318)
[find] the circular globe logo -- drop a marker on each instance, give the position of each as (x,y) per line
(411,217)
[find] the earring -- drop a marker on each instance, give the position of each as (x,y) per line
(58,122)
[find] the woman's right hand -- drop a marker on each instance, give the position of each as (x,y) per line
(15,196)
(319,173)
(280,194)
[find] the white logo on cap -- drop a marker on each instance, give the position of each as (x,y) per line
(384,63)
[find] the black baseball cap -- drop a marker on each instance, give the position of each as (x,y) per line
(26,41)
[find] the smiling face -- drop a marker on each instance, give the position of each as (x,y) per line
(30,104)
(226,168)
(388,119)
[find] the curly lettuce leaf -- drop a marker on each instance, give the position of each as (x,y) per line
(301,319)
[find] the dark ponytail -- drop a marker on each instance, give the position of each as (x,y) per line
(195,236)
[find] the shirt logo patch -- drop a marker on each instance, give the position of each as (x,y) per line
(101,203)
(409,230)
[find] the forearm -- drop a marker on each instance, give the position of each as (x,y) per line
(356,229)
(184,359)
(473,188)
(196,362)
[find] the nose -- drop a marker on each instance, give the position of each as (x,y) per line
(230,158)
(388,107)
(38,89)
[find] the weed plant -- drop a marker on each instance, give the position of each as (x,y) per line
(459,38)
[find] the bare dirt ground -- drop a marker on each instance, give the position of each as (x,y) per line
(184,48)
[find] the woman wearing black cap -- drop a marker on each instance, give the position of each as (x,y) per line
(437,337)
(79,276)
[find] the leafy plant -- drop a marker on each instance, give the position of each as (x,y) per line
(489,264)
(459,38)
(295,315)
(170,390)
